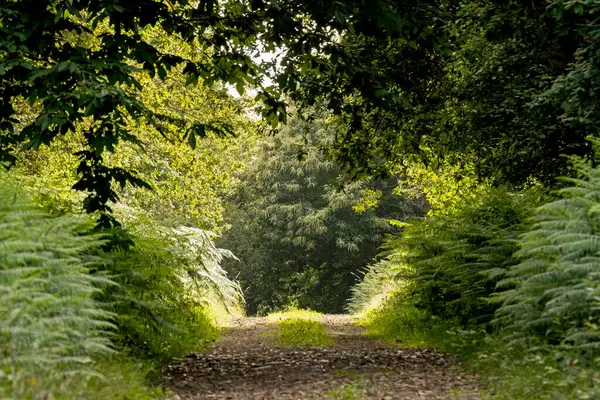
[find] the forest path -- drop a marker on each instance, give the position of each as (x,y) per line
(248,363)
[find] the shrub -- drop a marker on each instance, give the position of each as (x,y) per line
(449,263)
(509,373)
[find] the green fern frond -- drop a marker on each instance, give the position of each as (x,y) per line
(50,324)
(560,267)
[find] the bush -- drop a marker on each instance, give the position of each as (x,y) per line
(515,373)
(538,277)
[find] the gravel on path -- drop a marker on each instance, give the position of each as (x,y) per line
(248,363)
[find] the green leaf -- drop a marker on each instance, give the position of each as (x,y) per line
(192,139)
(240,88)
(191,80)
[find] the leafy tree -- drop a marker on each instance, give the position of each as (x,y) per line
(493,85)
(300,231)
(500,93)
(187,184)
(94,85)
(506,56)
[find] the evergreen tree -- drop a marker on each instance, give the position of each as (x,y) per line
(300,231)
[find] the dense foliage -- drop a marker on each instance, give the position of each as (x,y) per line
(163,257)
(171,285)
(463,110)
(452,262)
(93,86)
(499,264)
(50,323)
(517,93)
(499,105)
(553,291)
(67,303)
(168,291)
(494,84)
(501,91)
(300,231)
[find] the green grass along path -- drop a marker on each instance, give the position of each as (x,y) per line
(262,358)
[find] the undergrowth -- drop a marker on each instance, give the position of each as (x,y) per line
(81,318)
(505,374)
(396,321)
(300,328)
(51,326)
(121,378)
(541,371)
(508,282)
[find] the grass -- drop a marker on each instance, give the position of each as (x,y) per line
(506,373)
(347,391)
(405,325)
(545,374)
(301,328)
(123,379)
(118,379)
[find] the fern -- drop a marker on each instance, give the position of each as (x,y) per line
(555,283)
(201,262)
(375,286)
(449,263)
(50,324)
(170,283)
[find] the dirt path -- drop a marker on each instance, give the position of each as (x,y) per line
(247,363)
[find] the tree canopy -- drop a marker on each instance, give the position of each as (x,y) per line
(92,85)
(495,85)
